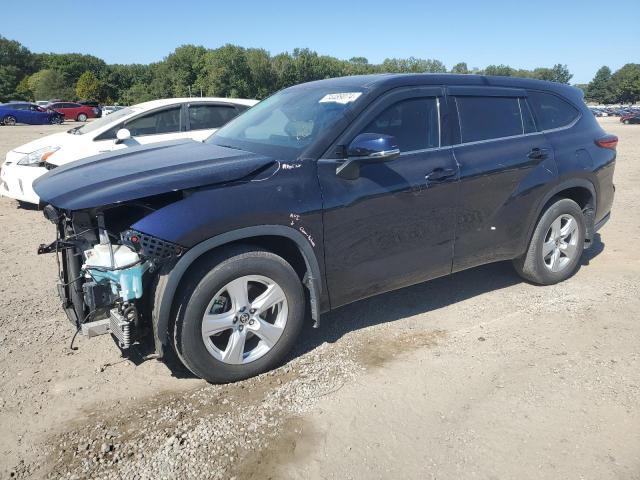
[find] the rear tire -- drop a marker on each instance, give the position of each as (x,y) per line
(9,120)
(556,245)
(82,117)
(212,319)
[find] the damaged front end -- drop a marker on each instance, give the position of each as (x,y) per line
(105,269)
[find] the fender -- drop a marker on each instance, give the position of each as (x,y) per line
(557,188)
(168,282)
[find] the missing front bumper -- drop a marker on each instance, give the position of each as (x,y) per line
(117,325)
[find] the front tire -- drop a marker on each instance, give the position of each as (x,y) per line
(556,245)
(82,117)
(626,122)
(9,120)
(241,311)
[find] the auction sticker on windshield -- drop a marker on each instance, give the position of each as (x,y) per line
(344,97)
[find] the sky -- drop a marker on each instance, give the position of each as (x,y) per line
(584,34)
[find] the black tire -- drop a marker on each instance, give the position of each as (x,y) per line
(211,275)
(531,266)
(82,117)
(9,120)
(57,120)
(627,122)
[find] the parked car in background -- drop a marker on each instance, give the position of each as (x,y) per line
(107,109)
(75,111)
(324,194)
(42,103)
(29,113)
(149,122)
(92,103)
(631,119)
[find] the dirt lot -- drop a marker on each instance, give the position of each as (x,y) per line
(477,375)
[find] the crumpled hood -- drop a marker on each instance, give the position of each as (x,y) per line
(144,171)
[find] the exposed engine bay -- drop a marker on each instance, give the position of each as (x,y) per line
(105,267)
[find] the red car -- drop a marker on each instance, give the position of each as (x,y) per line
(627,117)
(75,111)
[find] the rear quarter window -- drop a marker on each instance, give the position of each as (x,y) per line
(485,118)
(551,111)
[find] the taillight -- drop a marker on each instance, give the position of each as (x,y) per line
(608,141)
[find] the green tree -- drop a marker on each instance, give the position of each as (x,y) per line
(284,69)
(72,65)
(137,93)
(183,67)
(626,83)
(460,68)
(23,90)
(558,73)
(600,89)
(9,80)
(49,84)
(16,55)
(413,65)
(226,72)
(88,87)
(263,77)
(118,79)
(499,70)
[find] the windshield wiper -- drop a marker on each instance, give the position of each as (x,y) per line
(74,130)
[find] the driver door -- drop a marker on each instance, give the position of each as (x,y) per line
(393,225)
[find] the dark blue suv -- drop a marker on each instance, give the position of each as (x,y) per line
(323,194)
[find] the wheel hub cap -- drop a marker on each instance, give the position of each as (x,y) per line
(245,319)
(560,245)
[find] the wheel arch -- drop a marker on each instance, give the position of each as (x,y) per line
(293,246)
(580,190)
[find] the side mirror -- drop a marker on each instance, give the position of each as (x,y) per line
(122,135)
(367,148)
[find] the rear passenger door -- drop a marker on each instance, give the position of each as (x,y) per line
(504,164)
(205,118)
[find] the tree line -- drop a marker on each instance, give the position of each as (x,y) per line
(234,71)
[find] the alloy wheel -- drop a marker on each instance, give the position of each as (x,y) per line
(560,245)
(245,319)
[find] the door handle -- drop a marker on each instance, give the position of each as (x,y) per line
(440,174)
(538,153)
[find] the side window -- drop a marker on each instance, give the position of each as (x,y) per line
(163,121)
(551,111)
(209,116)
(484,118)
(413,122)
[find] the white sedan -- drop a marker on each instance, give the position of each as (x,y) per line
(149,122)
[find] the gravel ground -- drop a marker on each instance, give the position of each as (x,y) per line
(477,375)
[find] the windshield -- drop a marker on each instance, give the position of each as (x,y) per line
(103,121)
(288,122)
